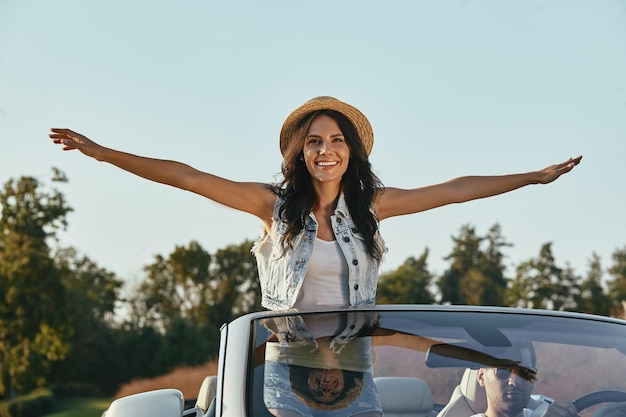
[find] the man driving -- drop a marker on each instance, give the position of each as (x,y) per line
(508,389)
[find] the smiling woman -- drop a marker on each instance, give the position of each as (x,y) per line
(452,87)
(328,193)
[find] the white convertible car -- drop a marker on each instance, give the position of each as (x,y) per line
(403,360)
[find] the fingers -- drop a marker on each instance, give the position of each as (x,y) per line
(562,409)
(553,172)
(65,137)
(57,132)
(574,161)
(568,165)
(63,133)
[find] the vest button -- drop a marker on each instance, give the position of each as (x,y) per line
(355,262)
(346,239)
(339,220)
(356,286)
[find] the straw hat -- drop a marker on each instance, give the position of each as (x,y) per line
(358,119)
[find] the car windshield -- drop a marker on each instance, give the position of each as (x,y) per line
(336,360)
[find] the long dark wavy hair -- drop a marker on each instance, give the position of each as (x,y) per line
(359,184)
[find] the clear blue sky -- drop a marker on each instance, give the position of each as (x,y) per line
(451,88)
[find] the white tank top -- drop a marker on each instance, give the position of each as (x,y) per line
(326,279)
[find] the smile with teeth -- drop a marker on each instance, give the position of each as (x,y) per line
(326,163)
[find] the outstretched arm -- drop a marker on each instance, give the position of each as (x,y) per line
(396,202)
(251,197)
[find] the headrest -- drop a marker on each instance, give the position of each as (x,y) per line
(472,391)
(164,402)
(404,396)
(206,393)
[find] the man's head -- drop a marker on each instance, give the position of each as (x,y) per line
(508,388)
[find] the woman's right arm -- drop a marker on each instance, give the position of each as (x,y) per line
(251,197)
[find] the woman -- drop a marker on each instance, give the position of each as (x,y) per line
(321,243)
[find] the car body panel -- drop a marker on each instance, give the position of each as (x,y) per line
(439,348)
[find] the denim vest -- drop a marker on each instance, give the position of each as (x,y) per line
(293,328)
(281,271)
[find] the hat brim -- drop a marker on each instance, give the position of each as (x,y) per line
(358,119)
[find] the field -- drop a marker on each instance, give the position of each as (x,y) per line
(186,379)
(80,407)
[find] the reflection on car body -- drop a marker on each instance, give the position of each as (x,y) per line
(409,360)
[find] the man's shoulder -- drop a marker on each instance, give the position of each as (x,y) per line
(527,413)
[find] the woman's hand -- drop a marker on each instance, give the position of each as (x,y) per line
(72,140)
(551,173)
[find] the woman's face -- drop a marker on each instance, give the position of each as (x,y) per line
(326,152)
(326,384)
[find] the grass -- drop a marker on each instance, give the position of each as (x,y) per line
(186,379)
(79,407)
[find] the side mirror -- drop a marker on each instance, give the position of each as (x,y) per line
(158,403)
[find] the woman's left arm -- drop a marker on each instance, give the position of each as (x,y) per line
(395,201)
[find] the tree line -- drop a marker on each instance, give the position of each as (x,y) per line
(66,321)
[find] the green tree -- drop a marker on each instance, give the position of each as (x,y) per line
(187,297)
(174,287)
(234,289)
(186,344)
(409,284)
(33,327)
(593,298)
(94,295)
(568,292)
(617,283)
(540,283)
(137,351)
(463,260)
(492,268)
(476,275)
